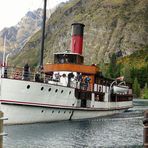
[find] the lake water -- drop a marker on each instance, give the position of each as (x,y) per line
(123,130)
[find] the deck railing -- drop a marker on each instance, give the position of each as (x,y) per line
(16,73)
(19,74)
(32,75)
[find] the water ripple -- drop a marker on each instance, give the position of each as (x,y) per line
(123,130)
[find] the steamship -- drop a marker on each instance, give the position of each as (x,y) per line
(65,90)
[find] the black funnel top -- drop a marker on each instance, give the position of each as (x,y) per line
(77,29)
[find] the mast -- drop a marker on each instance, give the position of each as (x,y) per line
(4,51)
(43,35)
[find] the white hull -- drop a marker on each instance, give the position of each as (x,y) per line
(46,103)
(29,114)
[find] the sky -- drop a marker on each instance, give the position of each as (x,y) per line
(11,11)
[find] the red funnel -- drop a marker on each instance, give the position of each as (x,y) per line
(77,38)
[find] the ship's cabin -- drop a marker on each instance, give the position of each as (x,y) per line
(68,57)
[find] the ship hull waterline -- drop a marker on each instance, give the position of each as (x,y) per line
(21,114)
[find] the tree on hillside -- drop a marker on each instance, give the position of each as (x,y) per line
(140,74)
(133,72)
(113,68)
(136,88)
(145,92)
(126,72)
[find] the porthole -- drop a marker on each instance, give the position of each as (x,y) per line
(49,89)
(64,112)
(42,88)
(53,111)
(42,111)
(69,92)
(58,112)
(61,91)
(70,112)
(56,90)
(28,86)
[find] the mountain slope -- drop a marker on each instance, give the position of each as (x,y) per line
(18,35)
(110,26)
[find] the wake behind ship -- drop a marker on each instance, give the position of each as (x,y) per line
(65,90)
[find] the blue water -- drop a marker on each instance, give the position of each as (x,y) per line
(124,130)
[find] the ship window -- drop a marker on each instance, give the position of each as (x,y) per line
(61,91)
(56,90)
(58,111)
(42,111)
(53,111)
(69,92)
(42,88)
(28,86)
(49,89)
(70,112)
(64,112)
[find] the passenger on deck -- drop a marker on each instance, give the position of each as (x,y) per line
(5,73)
(26,72)
(79,77)
(50,76)
(79,80)
(70,75)
(17,75)
(87,81)
(63,80)
(37,77)
(57,77)
(62,60)
(66,59)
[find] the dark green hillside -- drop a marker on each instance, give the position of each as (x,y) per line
(138,59)
(134,68)
(137,64)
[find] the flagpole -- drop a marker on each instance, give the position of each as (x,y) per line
(43,35)
(4,51)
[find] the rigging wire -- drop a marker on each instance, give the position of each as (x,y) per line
(36,21)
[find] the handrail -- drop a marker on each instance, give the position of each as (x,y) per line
(112,84)
(18,74)
(15,73)
(121,83)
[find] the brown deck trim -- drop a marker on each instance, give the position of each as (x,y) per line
(70,67)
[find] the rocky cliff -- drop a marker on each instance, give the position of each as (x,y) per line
(110,26)
(16,36)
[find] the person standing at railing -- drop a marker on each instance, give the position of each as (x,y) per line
(64,80)
(79,80)
(70,76)
(26,72)
(5,73)
(17,74)
(87,81)
(57,77)
(37,77)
